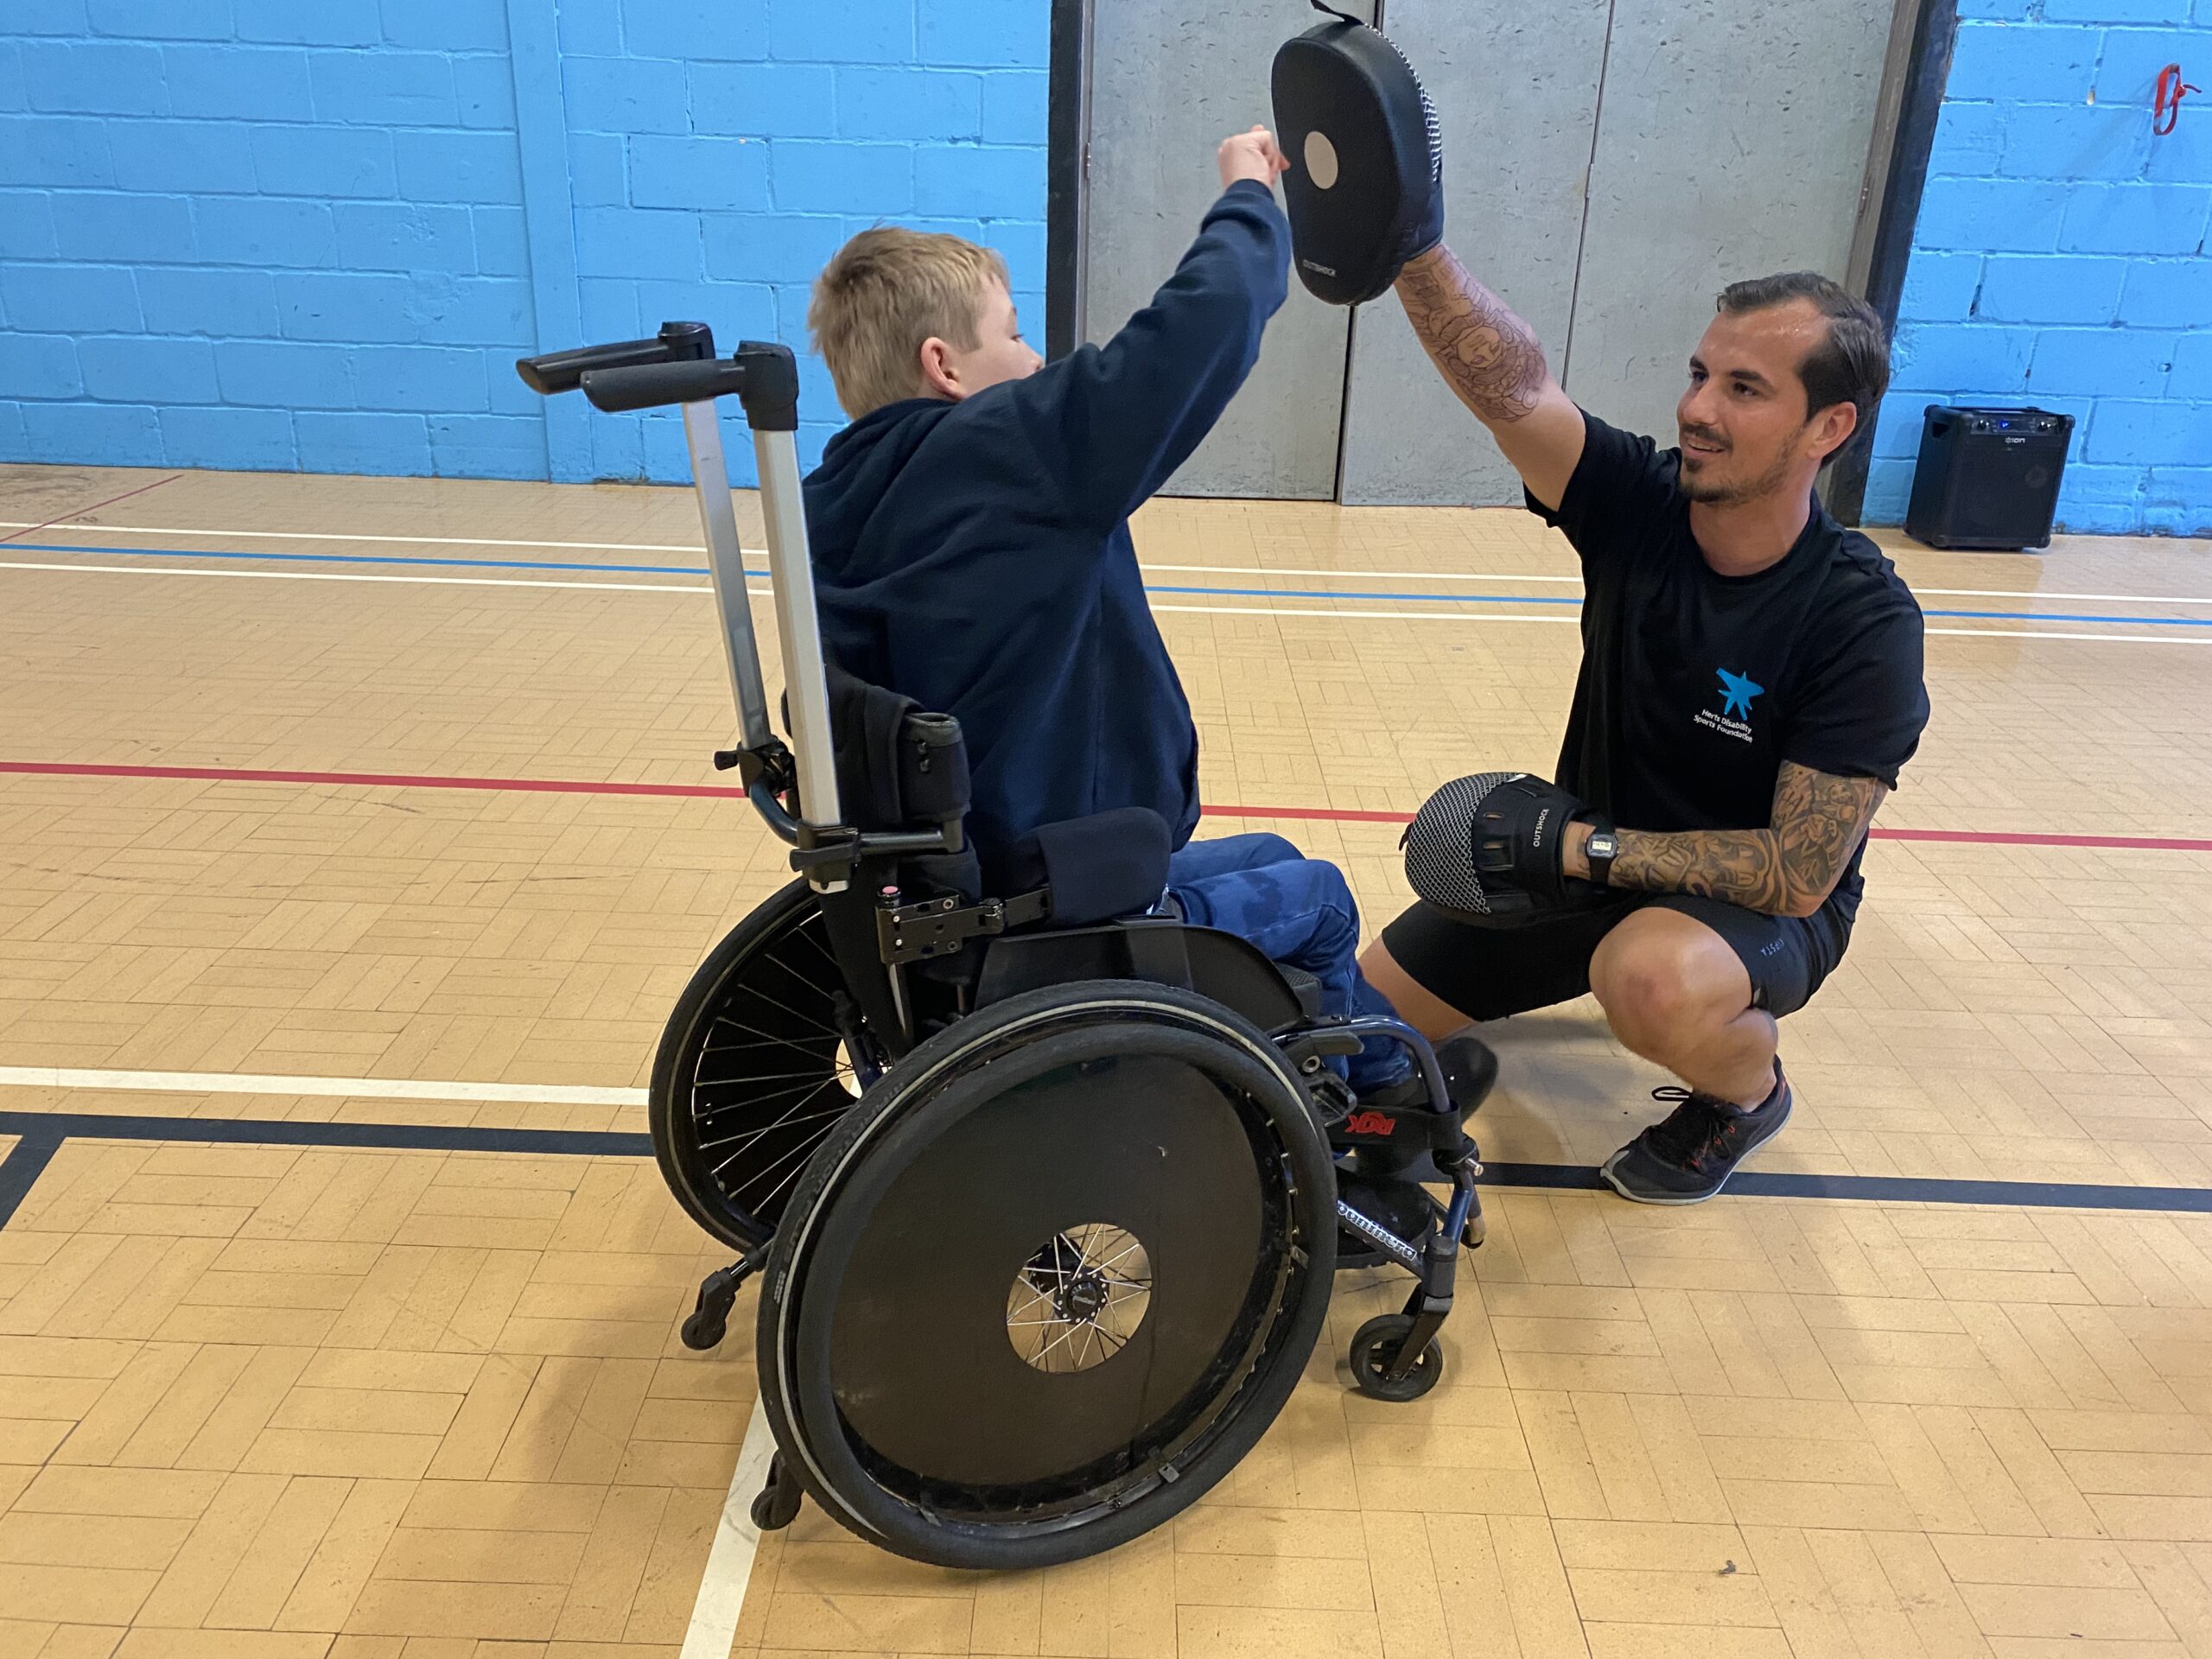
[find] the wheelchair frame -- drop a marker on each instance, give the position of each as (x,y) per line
(1393,1356)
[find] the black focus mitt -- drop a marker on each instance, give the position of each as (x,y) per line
(1365,191)
(1488,849)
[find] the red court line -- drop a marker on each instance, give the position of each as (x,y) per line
(724,792)
(79,513)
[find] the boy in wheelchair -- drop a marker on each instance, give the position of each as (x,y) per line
(971,550)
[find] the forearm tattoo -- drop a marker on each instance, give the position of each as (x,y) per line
(1485,353)
(1786,870)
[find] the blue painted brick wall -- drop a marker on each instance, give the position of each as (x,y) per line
(281,234)
(720,150)
(257,233)
(2061,258)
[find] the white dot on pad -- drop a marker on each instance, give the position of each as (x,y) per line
(1320,160)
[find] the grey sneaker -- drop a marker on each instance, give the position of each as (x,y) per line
(1689,1156)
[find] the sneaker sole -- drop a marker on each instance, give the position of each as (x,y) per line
(1673,1200)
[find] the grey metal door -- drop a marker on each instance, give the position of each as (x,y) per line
(1517,92)
(1732,142)
(1168,81)
(1715,138)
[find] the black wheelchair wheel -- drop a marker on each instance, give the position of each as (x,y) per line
(753,1071)
(1375,1344)
(1051,1279)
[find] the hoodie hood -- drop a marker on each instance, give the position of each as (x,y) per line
(858,470)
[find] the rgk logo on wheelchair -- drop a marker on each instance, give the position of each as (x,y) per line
(1044,1194)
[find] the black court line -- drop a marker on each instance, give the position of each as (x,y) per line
(286,1132)
(20,1170)
(1893,1189)
(43,1134)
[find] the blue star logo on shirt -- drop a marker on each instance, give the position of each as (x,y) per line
(1736,691)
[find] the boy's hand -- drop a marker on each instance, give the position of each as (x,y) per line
(1250,155)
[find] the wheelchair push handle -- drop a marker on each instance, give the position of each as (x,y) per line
(656,385)
(554,372)
(762,376)
(677,366)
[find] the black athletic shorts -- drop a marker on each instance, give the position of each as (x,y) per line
(1488,973)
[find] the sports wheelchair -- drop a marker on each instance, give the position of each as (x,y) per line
(1041,1185)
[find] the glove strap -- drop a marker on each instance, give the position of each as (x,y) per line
(1345,16)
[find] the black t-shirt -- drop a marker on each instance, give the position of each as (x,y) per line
(1695,687)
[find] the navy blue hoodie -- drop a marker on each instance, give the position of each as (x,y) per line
(975,556)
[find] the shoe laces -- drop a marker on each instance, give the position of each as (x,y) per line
(1688,1132)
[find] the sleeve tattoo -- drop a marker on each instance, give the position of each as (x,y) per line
(1787,869)
(1485,353)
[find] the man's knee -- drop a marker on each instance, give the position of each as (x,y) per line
(1664,980)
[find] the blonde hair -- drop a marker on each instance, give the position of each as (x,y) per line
(886,291)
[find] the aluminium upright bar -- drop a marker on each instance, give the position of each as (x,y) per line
(702,435)
(770,394)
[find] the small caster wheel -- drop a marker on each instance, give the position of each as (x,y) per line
(703,1330)
(1376,1344)
(776,1505)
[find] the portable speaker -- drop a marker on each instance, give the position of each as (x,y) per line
(1987,478)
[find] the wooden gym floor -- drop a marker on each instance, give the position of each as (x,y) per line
(337,1312)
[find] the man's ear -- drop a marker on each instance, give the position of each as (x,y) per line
(939,373)
(1834,427)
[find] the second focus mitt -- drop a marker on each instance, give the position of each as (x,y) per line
(1487,849)
(1365,191)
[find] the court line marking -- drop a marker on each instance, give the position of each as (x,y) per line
(245,1083)
(79,513)
(727,792)
(20,1170)
(762,575)
(728,1573)
(587,1143)
(1197,570)
(1339,614)
(356,575)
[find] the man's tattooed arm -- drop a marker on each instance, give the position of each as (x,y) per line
(1493,364)
(1485,353)
(1786,870)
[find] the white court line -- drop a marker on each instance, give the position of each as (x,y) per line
(1191,569)
(737,1540)
(243,1083)
(761,592)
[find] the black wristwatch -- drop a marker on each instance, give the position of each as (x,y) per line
(1601,850)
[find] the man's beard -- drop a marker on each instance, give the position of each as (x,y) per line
(1715,494)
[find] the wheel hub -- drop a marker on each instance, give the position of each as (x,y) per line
(1079,1299)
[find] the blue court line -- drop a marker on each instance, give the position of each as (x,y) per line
(1214,593)
(43,1133)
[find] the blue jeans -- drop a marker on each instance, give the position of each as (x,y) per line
(1299,910)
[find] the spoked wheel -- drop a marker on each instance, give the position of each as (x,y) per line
(753,1070)
(1051,1279)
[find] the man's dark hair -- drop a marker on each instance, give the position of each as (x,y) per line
(1853,366)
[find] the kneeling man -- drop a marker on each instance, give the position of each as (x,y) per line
(1750,686)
